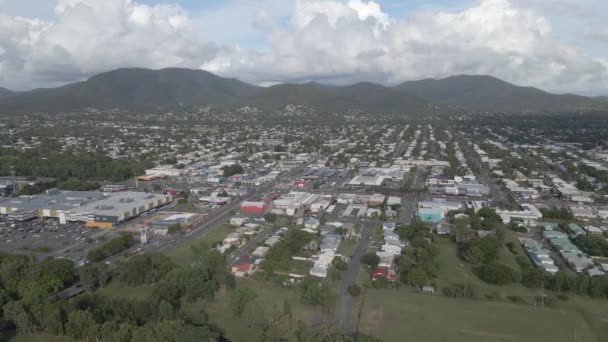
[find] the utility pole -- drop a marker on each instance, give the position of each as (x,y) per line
(465,284)
(465,280)
(542,286)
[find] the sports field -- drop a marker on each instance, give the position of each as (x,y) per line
(415,317)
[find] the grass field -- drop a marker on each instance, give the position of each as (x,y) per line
(237,328)
(300,267)
(395,315)
(39,338)
(452,271)
(116,290)
(181,254)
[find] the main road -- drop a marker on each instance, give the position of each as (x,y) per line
(219,216)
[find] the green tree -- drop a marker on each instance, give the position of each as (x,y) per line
(81,325)
(417,277)
(19,314)
(93,276)
(270,217)
(166,310)
(239,299)
(354,290)
(174,228)
(496,273)
(371,259)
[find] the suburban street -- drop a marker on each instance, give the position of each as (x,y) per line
(349,277)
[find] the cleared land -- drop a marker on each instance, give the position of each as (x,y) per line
(492,316)
(394,315)
(271,295)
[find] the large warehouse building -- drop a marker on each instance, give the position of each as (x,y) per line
(95,209)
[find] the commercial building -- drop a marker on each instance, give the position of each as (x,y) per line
(164,171)
(186,220)
(527,213)
(95,209)
(290,203)
(434,211)
(253,207)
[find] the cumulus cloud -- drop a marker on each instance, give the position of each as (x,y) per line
(347,42)
(598,34)
(90,36)
(335,41)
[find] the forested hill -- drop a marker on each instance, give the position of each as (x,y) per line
(137,88)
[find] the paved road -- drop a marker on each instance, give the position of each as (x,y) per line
(411,199)
(219,216)
(499,199)
(349,277)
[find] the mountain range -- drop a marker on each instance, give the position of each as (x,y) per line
(136,88)
(5,92)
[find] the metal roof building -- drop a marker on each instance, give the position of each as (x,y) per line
(96,209)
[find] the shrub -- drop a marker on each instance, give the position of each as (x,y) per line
(515,299)
(340,264)
(110,248)
(457,291)
(511,247)
(496,273)
(354,290)
(371,259)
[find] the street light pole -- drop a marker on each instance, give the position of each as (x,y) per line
(542,285)
(465,280)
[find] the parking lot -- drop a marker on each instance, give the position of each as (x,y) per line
(46,237)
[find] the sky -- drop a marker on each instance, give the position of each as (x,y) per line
(557,45)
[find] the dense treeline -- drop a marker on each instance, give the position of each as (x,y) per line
(482,251)
(416,265)
(595,245)
(161,316)
(109,248)
(554,213)
(27,290)
(81,165)
(582,284)
(21,278)
(231,170)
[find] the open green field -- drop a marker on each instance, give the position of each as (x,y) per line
(39,338)
(116,290)
(269,294)
(401,315)
(452,271)
(181,254)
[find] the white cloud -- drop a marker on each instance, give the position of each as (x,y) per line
(337,41)
(600,35)
(90,36)
(346,42)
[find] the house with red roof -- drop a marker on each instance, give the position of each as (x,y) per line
(383,272)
